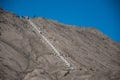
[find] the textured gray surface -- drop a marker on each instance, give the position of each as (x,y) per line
(25,56)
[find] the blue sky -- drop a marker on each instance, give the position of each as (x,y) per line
(101,14)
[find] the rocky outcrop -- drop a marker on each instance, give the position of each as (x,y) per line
(25,56)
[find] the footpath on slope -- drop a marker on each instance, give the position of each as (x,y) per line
(39,33)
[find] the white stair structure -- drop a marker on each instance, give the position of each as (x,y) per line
(39,33)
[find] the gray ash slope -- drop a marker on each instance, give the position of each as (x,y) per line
(25,56)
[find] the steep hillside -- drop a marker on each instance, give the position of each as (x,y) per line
(24,55)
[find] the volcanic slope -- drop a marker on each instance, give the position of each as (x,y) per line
(26,56)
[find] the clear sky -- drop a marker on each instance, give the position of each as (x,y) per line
(101,14)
